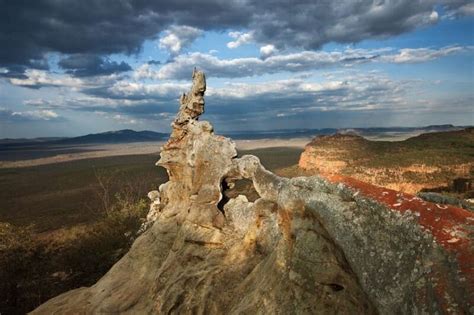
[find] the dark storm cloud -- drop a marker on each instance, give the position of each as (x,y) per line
(14,72)
(17,71)
(84,65)
(29,29)
(154,62)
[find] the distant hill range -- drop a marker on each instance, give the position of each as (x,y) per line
(128,135)
(119,136)
(370,132)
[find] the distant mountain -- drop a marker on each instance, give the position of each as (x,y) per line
(370,131)
(119,136)
(29,140)
(279,134)
(128,135)
(430,128)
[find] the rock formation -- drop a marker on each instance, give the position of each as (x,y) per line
(428,161)
(305,246)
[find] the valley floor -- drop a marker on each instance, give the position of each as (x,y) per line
(42,155)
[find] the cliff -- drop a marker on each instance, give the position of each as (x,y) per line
(433,161)
(305,246)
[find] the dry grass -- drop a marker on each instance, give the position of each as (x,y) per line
(34,268)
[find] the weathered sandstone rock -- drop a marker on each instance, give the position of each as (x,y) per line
(305,246)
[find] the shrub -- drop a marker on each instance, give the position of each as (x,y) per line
(34,268)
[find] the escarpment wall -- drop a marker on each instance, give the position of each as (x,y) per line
(434,161)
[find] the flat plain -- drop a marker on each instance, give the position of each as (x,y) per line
(63,194)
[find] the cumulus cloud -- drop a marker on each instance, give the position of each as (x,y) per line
(241,38)
(140,104)
(350,93)
(241,67)
(101,27)
(294,62)
(124,119)
(112,83)
(267,50)
(434,16)
(276,88)
(37,115)
(165,91)
(414,55)
(8,115)
(36,79)
(177,38)
(344,93)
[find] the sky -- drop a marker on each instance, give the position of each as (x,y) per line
(70,68)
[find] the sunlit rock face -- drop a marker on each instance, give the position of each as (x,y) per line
(305,246)
(410,166)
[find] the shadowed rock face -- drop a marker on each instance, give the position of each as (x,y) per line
(305,246)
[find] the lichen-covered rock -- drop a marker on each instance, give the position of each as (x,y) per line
(401,263)
(446,200)
(305,246)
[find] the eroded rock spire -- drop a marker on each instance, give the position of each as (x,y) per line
(191,107)
(196,161)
